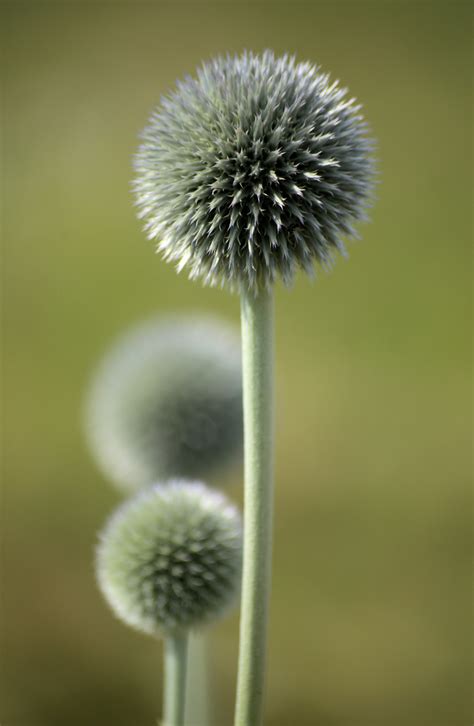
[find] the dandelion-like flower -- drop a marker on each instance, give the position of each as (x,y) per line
(166,401)
(170,558)
(253,169)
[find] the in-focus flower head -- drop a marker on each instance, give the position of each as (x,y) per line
(253,169)
(166,401)
(170,558)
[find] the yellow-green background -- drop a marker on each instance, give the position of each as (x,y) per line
(370,608)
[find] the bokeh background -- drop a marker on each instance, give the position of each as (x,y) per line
(371,597)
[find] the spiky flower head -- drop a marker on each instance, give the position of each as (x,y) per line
(170,558)
(254,168)
(166,401)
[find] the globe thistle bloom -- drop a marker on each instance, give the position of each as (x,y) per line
(254,168)
(167,401)
(169,559)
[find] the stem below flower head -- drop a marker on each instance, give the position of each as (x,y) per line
(175,666)
(198,710)
(257,357)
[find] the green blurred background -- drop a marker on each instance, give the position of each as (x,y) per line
(371,598)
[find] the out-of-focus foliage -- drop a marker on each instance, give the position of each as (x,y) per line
(372,544)
(166,401)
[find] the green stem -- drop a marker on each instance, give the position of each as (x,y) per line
(257,357)
(198,706)
(175,664)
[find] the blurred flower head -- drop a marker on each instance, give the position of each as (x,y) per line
(170,558)
(166,401)
(253,169)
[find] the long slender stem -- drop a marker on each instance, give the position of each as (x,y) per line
(257,357)
(198,707)
(175,666)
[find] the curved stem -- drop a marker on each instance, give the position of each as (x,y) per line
(257,357)
(175,665)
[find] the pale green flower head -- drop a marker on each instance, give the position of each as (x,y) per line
(166,401)
(170,558)
(253,169)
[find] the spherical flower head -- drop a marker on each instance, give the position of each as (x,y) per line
(256,167)
(166,401)
(170,558)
